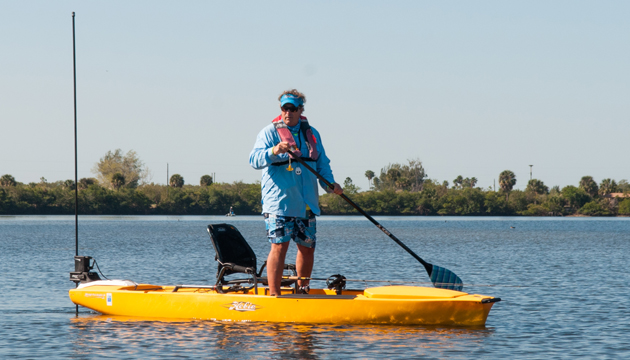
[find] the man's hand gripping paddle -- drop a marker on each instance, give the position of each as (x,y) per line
(440,277)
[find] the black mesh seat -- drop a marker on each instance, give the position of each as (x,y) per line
(234,255)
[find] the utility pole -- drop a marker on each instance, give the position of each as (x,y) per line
(530,172)
(167,180)
(494,184)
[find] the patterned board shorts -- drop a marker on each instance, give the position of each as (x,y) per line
(281,229)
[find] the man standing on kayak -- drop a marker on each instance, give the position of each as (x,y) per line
(290,200)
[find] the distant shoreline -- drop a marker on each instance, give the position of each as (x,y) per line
(245,199)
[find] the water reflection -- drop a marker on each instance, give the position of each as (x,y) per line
(102,334)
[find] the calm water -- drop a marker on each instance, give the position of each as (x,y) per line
(564,283)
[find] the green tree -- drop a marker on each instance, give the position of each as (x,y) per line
(461,183)
(457,183)
(537,187)
(469,182)
(369,174)
(589,185)
(129,165)
(349,188)
(68,184)
(7,180)
(118,180)
(416,174)
(554,204)
(593,208)
(205,180)
(376,182)
(624,207)
(85,183)
(607,186)
(535,210)
(576,197)
(408,177)
(495,204)
(176,181)
(403,183)
(623,186)
(507,180)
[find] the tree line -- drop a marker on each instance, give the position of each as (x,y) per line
(57,198)
(121,188)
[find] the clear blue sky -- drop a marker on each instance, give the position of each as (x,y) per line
(469,88)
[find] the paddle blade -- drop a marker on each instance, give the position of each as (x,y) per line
(445,279)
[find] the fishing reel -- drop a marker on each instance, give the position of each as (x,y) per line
(337,282)
(83,270)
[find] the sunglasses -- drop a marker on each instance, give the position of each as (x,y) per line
(289,108)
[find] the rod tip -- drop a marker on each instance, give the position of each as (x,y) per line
(73,14)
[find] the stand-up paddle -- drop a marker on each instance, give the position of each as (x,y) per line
(440,277)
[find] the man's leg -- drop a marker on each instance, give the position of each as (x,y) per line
(275,266)
(306,239)
(304,263)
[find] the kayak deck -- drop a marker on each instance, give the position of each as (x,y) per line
(403,305)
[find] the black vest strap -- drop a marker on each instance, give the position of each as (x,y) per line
(287,161)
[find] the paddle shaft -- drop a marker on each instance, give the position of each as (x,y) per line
(426,265)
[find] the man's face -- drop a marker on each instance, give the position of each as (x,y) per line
(291,114)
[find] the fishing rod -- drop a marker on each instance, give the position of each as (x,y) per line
(440,277)
(82,267)
(76,172)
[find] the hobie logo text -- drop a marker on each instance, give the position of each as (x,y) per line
(243,306)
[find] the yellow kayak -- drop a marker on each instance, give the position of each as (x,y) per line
(248,299)
(401,305)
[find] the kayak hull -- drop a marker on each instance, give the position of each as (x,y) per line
(401,305)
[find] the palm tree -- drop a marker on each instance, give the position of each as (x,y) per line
(7,180)
(607,186)
(205,180)
(457,183)
(538,187)
(507,180)
(176,181)
(118,180)
(369,175)
(589,185)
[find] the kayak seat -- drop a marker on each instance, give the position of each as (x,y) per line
(234,255)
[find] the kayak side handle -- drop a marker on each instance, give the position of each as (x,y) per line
(326,297)
(488,301)
(213,287)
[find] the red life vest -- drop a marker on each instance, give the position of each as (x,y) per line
(285,135)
